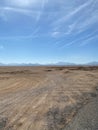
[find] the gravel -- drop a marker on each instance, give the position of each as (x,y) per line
(86,118)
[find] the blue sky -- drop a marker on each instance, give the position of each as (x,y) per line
(45,31)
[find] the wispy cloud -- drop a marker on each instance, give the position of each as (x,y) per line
(74,12)
(19,10)
(32,8)
(23,3)
(55,34)
(35,34)
(79,26)
(88,40)
(43,2)
(36,14)
(55,19)
(78,19)
(81,41)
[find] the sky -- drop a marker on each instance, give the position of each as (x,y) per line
(48,31)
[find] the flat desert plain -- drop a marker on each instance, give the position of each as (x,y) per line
(49,98)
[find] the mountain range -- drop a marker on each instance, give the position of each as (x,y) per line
(95,63)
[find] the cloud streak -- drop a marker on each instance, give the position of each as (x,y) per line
(78,19)
(18,10)
(23,3)
(82,41)
(55,19)
(74,12)
(32,8)
(88,40)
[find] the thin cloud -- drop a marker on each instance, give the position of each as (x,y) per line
(55,34)
(80,41)
(75,11)
(32,8)
(23,3)
(54,19)
(78,19)
(8,8)
(78,26)
(27,12)
(87,41)
(33,35)
(41,9)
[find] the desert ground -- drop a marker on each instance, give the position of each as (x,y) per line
(49,98)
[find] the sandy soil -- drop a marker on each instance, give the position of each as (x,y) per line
(45,98)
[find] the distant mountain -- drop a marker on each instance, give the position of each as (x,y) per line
(20,64)
(65,63)
(51,64)
(30,64)
(95,63)
(37,64)
(61,64)
(24,64)
(1,64)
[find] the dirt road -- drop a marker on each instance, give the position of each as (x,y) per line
(44,98)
